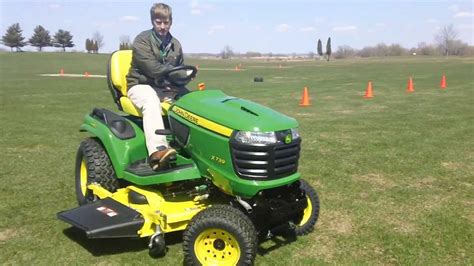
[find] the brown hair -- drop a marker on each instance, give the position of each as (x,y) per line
(161,11)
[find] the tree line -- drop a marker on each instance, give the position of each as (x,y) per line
(446,44)
(41,38)
(13,38)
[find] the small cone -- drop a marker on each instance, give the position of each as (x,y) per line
(61,72)
(368,91)
(305,99)
(443,84)
(237,68)
(201,86)
(197,67)
(86,74)
(410,87)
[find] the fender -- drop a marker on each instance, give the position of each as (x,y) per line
(121,151)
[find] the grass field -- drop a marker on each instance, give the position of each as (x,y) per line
(395,173)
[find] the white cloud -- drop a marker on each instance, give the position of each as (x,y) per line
(215,28)
(283,28)
(307,29)
(464,15)
(54,6)
(129,18)
(345,28)
(431,20)
(199,9)
(380,24)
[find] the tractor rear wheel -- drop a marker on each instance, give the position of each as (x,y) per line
(310,215)
(93,166)
(220,235)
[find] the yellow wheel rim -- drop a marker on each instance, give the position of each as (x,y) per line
(307,212)
(83,177)
(217,247)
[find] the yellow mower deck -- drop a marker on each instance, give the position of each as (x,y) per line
(132,212)
(170,215)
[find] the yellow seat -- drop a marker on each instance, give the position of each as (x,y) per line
(119,65)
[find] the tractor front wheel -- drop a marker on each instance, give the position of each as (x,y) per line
(310,214)
(93,166)
(220,235)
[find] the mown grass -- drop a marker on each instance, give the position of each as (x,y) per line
(395,173)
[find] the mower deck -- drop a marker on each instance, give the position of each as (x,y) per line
(104,218)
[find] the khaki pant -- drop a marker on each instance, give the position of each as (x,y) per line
(146,99)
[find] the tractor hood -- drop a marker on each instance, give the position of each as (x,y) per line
(232,112)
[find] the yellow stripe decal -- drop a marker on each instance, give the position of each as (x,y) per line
(225,131)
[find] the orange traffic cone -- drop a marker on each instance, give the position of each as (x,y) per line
(197,67)
(201,86)
(305,99)
(61,72)
(86,74)
(368,91)
(443,84)
(410,87)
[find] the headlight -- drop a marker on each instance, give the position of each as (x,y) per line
(253,137)
(294,133)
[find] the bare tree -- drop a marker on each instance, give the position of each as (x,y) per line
(344,51)
(99,40)
(445,38)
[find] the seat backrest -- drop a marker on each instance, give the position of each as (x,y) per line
(119,65)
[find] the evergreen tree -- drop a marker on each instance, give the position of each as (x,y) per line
(63,39)
(95,47)
(13,37)
(99,41)
(88,45)
(320,48)
(328,48)
(125,43)
(40,38)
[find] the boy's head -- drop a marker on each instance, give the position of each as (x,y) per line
(161,18)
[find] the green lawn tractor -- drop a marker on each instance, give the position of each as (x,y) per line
(233,181)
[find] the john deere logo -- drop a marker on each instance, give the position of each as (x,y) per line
(288,139)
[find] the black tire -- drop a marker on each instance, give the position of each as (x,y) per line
(93,165)
(310,216)
(218,234)
(258,79)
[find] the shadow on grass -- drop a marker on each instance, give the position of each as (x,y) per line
(278,240)
(110,246)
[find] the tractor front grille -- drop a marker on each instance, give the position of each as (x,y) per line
(265,161)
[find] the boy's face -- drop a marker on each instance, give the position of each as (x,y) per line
(162,26)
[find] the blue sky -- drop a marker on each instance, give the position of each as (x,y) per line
(262,26)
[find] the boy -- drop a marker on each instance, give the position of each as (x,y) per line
(154,52)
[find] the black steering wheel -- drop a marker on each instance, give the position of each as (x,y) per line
(180,75)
